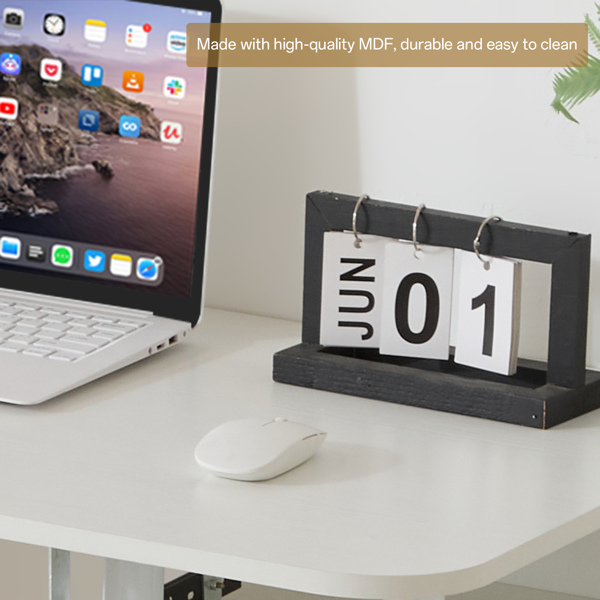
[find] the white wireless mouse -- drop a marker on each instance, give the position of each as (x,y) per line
(257,449)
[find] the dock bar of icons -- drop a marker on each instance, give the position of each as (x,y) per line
(86,260)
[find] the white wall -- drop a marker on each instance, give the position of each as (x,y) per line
(478,141)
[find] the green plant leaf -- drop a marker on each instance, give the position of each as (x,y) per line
(593,30)
(575,85)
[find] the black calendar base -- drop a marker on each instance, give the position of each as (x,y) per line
(522,399)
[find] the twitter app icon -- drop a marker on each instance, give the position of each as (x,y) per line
(94,261)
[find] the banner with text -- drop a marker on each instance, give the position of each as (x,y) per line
(388,45)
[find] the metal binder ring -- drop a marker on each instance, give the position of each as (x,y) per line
(477,241)
(357,240)
(414,230)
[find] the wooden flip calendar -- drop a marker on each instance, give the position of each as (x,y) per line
(363,281)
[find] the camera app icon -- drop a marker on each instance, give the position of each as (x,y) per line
(14,18)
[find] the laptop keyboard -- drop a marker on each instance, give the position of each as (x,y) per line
(61,334)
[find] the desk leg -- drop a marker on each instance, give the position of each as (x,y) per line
(130,581)
(60,574)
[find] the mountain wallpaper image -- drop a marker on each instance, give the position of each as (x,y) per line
(29,152)
(106,188)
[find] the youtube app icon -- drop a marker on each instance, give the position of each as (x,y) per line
(9,109)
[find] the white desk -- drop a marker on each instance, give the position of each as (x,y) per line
(399,502)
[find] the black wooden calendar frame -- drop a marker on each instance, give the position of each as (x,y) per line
(539,395)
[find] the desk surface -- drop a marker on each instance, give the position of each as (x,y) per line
(399,502)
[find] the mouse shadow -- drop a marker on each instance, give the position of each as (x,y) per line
(337,462)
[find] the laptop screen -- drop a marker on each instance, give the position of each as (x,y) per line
(101,128)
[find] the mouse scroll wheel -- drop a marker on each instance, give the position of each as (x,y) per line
(276,420)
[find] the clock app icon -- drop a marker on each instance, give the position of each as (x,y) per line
(54,24)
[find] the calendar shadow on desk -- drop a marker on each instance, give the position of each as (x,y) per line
(523,399)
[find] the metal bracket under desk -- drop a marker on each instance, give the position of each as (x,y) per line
(131,581)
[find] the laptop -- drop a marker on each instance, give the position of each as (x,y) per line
(105,158)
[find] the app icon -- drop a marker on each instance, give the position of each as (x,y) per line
(95,31)
(121,265)
(36,253)
(62,256)
(171,133)
(54,24)
(137,35)
(14,18)
(130,126)
(89,120)
(177,42)
(9,109)
(48,114)
(92,75)
(174,87)
(10,248)
(51,69)
(10,64)
(149,268)
(133,81)
(94,261)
